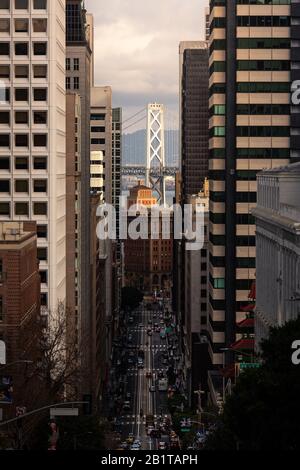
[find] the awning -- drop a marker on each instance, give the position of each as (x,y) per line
(243,344)
(247,323)
(248,308)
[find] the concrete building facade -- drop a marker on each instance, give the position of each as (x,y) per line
(253,59)
(32,132)
(277,249)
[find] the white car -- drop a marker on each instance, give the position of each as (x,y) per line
(162,446)
(149,430)
(152,388)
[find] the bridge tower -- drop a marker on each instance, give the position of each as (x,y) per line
(155,166)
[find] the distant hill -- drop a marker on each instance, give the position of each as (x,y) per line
(134,148)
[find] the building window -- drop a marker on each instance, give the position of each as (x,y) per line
(4,117)
(40,117)
(40,208)
(44,299)
(4,163)
(5,209)
(68,83)
(4,4)
(42,254)
(21,163)
(40,48)
(40,71)
(40,4)
(4,25)
(5,186)
(40,163)
(40,94)
(21,186)
(76,83)
(76,64)
(21,48)
(21,71)
(21,208)
(39,25)
(1,309)
(21,25)
(97,117)
(44,277)
(40,140)
(21,140)
(68,64)
(4,95)
(21,94)
(4,48)
(42,231)
(40,186)
(21,117)
(21,4)
(4,140)
(4,73)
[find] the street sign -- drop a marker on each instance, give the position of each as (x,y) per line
(63,412)
(249,365)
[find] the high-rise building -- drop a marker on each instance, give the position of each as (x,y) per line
(32,131)
(278,249)
(253,59)
(193,115)
(101,185)
(73,207)
(79,38)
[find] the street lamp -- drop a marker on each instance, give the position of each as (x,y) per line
(199,393)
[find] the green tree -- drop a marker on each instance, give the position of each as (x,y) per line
(263,412)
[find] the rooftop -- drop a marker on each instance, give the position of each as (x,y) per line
(11,232)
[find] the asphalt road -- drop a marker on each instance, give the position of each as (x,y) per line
(138,385)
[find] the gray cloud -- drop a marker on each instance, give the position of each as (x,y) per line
(136,48)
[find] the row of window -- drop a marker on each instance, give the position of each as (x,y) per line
(252,109)
(242,263)
(263,87)
(219,196)
(264,65)
(22,163)
(22,48)
(263,43)
(22,94)
(21,25)
(22,71)
(23,4)
(23,140)
(266,21)
(22,186)
(241,175)
(22,117)
(241,219)
(252,131)
(279,153)
(22,208)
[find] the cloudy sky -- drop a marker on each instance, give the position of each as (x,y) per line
(136,49)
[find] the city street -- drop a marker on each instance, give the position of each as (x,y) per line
(144,402)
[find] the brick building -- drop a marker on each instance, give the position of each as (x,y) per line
(19,287)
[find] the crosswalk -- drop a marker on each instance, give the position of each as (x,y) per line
(136,419)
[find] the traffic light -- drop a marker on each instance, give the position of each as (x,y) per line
(87,407)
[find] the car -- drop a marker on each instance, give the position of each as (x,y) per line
(130,319)
(150,322)
(152,388)
(137,442)
(162,446)
(161,375)
(130,361)
(165,362)
(141,365)
(128,396)
(126,405)
(149,374)
(130,439)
